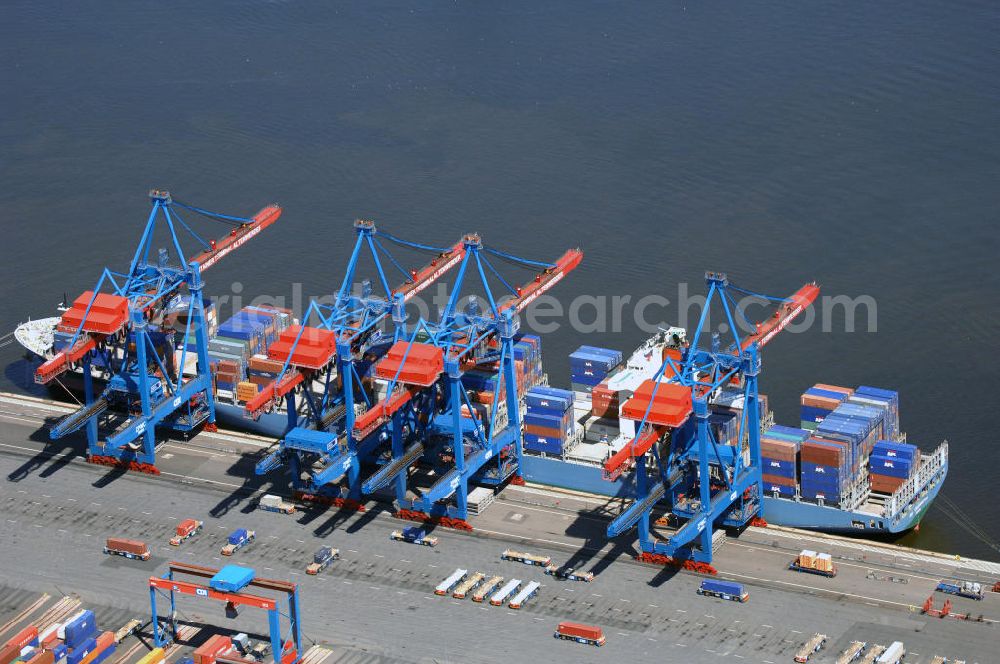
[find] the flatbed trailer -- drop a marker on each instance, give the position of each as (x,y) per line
(445,586)
(238,539)
(967,589)
(413,535)
(526,558)
(487,586)
(521,598)
(589,634)
(810,647)
(467,585)
(271,503)
(872,654)
(127,630)
(569,574)
(186,529)
(322,559)
(852,652)
(500,596)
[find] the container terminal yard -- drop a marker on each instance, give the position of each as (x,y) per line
(650,468)
(56,504)
(405,469)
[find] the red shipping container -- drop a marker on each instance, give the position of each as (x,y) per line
(545,432)
(135,547)
(781,450)
(104,640)
(580,630)
(886,484)
(821,453)
(43,657)
(212,648)
(834,388)
(9,653)
(780,481)
(24,637)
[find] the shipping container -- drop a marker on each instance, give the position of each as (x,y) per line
(127,547)
(582,633)
(80,628)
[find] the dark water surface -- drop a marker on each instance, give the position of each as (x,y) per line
(856,144)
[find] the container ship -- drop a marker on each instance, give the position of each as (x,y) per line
(846,467)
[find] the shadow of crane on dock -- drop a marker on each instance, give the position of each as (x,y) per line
(54,456)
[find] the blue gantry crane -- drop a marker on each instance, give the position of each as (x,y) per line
(707,482)
(120,336)
(237,586)
(325,359)
(427,409)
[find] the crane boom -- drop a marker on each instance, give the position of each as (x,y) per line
(431,272)
(544,281)
(238,237)
(789,310)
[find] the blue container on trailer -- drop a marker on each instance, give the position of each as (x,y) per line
(545,444)
(80,629)
(889,448)
(59,652)
(238,535)
(778,467)
(81,651)
(727,587)
(231,578)
(890,466)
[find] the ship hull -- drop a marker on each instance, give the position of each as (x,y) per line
(778,511)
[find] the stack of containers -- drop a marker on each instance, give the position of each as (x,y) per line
(825,470)
(528,349)
(892,464)
(211,324)
(779,450)
(725,425)
(887,400)
(856,427)
(604,402)
(589,366)
(817,403)
(549,420)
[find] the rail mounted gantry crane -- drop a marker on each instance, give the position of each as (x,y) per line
(427,409)
(121,336)
(705,481)
(324,361)
(229,585)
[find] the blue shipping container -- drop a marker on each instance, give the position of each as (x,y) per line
(889,448)
(813,414)
(728,587)
(542,444)
(827,496)
(781,490)
(890,466)
(778,467)
(79,630)
(81,651)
